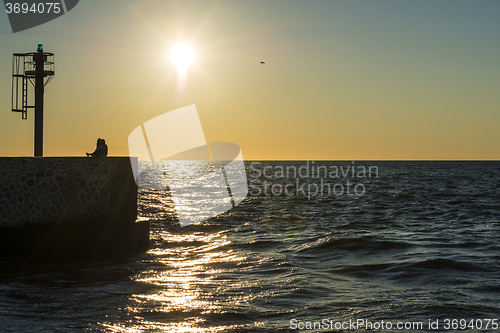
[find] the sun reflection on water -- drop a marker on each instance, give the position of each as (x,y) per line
(185,286)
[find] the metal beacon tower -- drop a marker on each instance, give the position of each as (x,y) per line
(37,69)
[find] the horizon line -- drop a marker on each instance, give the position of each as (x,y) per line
(298,160)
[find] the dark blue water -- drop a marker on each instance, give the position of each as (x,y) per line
(420,242)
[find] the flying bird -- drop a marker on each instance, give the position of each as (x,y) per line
(262,63)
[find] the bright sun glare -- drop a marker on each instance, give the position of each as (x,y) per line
(182,55)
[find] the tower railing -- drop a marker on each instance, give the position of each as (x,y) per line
(35,69)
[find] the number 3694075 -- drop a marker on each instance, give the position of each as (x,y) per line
(36,8)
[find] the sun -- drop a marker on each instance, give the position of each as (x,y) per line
(182,55)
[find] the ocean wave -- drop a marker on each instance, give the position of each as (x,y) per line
(371,244)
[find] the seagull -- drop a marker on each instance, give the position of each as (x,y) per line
(262,63)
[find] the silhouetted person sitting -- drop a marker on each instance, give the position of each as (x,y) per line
(101,149)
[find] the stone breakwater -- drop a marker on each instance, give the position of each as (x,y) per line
(69,203)
(65,190)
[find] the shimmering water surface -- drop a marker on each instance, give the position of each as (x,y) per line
(422,242)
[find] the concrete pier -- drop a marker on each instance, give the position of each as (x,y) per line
(69,206)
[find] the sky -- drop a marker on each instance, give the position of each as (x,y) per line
(342,80)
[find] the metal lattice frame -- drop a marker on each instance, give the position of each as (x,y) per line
(24,71)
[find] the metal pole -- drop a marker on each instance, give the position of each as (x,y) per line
(39,90)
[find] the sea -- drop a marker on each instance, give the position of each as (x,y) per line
(316,246)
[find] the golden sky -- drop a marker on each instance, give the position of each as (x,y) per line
(341,80)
